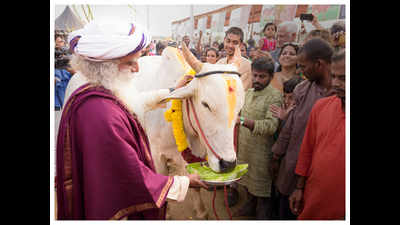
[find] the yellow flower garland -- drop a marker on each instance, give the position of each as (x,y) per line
(174,115)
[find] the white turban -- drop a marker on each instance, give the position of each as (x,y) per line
(102,42)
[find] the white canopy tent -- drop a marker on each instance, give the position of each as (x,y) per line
(68,21)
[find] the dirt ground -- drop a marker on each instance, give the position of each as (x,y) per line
(184,211)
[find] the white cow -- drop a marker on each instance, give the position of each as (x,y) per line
(217,100)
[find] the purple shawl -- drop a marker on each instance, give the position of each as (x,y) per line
(104,164)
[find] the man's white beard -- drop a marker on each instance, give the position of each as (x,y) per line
(122,86)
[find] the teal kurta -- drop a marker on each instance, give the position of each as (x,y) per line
(254,147)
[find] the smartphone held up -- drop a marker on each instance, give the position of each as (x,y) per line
(306,16)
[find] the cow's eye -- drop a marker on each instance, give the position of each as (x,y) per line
(206,105)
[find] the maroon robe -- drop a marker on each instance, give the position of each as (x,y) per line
(104,165)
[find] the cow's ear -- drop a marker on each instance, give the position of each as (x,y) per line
(183,92)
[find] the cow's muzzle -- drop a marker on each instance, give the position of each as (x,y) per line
(226,166)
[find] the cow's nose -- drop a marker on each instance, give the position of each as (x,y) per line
(226,166)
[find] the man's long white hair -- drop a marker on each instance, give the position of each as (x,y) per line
(108,75)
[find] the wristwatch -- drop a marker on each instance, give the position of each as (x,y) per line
(241,121)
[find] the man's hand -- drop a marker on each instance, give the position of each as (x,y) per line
(196,182)
(238,120)
(316,23)
(279,112)
(186,79)
(260,43)
(260,53)
(274,168)
(296,201)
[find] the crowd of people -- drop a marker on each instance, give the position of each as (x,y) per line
(291,127)
(268,41)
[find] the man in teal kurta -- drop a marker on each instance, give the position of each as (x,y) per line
(256,139)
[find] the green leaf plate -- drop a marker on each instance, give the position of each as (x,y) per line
(208,176)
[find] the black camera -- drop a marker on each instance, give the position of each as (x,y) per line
(172,44)
(305,16)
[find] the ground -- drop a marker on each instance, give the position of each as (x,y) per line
(180,211)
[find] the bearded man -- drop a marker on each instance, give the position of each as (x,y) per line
(257,126)
(104,165)
(320,192)
(314,60)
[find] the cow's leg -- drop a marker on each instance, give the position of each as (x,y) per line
(176,166)
(195,199)
(178,210)
(160,163)
(164,166)
(198,205)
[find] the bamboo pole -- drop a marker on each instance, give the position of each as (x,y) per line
(134,11)
(77,14)
(83,9)
(90,12)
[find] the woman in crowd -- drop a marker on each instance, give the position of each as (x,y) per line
(212,55)
(287,68)
(252,53)
(243,50)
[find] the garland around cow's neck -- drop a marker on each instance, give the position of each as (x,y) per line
(174,115)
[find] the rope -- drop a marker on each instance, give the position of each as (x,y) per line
(213,202)
(225,200)
(226,203)
(201,131)
(235,132)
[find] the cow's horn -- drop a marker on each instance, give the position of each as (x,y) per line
(237,57)
(191,59)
